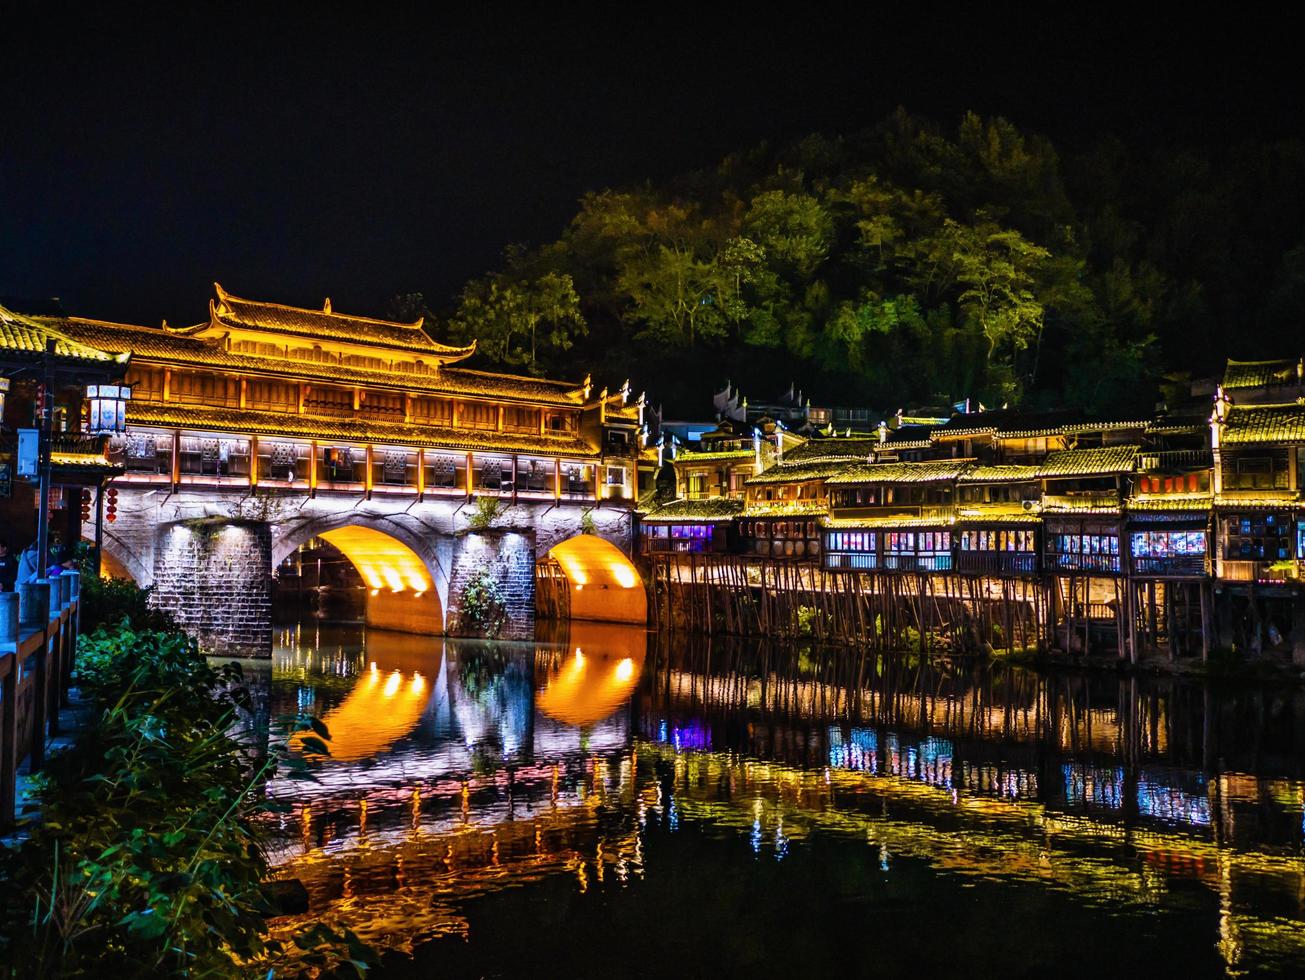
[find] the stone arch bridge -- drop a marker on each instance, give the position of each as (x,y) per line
(210,554)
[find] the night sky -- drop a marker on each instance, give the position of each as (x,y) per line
(145,154)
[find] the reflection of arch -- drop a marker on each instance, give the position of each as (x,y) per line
(403,592)
(597,674)
(605,585)
(387,700)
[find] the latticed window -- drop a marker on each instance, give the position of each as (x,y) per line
(394,468)
(444,471)
(536,476)
(491,474)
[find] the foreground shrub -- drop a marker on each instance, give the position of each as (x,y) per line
(110,601)
(147,861)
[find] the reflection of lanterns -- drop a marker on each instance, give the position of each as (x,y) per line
(108,408)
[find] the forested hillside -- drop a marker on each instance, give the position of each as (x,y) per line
(912,265)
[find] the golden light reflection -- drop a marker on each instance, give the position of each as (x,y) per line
(387,700)
(598,677)
(382,561)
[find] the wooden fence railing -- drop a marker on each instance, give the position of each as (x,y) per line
(38,642)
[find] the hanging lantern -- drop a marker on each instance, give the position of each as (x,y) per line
(108,408)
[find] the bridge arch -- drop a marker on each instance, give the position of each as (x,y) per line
(604,584)
(118,560)
(407,589)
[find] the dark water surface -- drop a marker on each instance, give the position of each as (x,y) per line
(610,803)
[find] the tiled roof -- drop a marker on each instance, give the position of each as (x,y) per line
(325,324)
(1088,462)
(836,449)
(999,474)
(1288,501)
(896,444)
(1072,505)
(1164,503)
(84,461)
(987,520)
(1264,423)
(27,335)
(709,510)
(1258,374)
(290,425)
(787,472)
(152,344)
(928,472)
(724,456)
(887,521)
(910,433)
(785,508)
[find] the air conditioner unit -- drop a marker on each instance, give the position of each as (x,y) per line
(1030,505)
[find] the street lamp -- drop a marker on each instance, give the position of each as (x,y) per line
(108,415)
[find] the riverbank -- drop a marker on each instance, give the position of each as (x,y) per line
(142,855)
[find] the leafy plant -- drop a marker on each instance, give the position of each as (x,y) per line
(148,859)
(483,610)
(109,601)
(587,523)
(484,513)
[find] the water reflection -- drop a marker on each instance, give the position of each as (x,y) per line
(460,769)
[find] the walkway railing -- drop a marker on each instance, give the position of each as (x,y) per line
(38,641)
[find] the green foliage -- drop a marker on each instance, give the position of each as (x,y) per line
(484,513)
(515,318)
(808,617)
(483,611)
(587,523)
(107,602)
(147,861)
(913,264)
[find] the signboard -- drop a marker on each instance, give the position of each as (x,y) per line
(28,458)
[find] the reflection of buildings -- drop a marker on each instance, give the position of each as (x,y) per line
(1093,790)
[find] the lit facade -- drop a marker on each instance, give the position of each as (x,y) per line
(275,397)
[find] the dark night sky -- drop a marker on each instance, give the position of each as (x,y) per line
(145,154)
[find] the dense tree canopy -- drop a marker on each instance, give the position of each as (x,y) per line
(912,266)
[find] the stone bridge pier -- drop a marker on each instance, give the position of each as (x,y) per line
(210,555)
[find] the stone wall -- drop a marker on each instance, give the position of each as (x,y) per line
(509,558)
(216,579)
(230,597)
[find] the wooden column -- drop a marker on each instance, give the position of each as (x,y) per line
(500,418)
(471,465)
(253,458)
(176,456)
(312,467)
(244,392)
(557,479)
(367,472)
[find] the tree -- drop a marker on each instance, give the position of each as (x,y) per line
(515,320)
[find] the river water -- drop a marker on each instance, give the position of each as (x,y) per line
(606,802)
